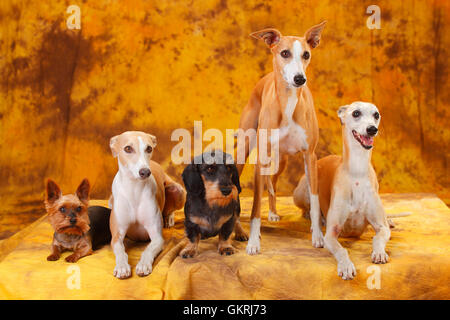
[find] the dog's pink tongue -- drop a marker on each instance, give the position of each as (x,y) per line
(368,141)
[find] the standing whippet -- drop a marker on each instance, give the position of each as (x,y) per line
(281,100)
(348,188)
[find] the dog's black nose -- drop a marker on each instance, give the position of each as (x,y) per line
(144,173)
(299,79)
(73,220)
(372,130)
(225,190)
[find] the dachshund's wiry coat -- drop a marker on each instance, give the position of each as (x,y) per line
(212,203)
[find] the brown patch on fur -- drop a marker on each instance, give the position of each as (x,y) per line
(215,197)
(222,220)
(202,222)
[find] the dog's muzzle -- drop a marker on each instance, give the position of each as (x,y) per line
(225,190)
(299,80)
(372,130)
(144,173)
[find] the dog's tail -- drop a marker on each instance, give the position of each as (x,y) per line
(398,215)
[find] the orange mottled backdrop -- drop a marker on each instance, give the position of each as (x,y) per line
(159,65)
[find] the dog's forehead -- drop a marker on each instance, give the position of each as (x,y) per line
(135,138)
(288,42)
(364,107)
(69,199)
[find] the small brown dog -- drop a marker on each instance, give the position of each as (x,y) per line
(77,227)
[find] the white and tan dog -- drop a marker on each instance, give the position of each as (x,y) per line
(281,100)
(348,188)
(142,196)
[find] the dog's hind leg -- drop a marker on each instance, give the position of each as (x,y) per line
(253,245)
(272,188)
(311,170)
(175,197)
(301,196)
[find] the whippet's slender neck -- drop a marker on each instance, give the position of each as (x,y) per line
(355,158)
(286,94)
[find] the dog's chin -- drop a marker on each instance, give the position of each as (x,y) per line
(365,141)
(71,230)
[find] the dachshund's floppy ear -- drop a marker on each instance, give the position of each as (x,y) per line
(192,180)
(235,178)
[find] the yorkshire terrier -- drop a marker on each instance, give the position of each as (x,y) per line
(78,228)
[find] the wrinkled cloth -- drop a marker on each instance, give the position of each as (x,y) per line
(287,268)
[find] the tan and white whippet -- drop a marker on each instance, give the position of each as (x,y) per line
(142,197)
(348,188)
(281,100)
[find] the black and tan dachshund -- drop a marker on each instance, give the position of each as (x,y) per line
(212,203)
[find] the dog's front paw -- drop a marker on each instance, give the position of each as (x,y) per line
(53,257)
(188,253)
(72,258)
(226,251)
(240,235)
(380,257)
(144,268)
(346,270)
(273,216)
(253,247)
(317,239)
(122,271)
(169,220)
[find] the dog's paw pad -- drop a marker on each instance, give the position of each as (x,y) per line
(317,239)
(53,257)
(143,269)
(226,251)
(346,270)
(72,258)
(273,217)
(380,257)
(122,271)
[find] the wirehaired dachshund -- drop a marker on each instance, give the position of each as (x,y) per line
(212,204)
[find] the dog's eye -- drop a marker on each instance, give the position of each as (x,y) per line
(78,209)
(128,149)
(356,113)
(285,54)
(149,149)
(62,209)
(376,115)
(306,55)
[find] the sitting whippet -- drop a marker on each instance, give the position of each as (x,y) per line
(281,100)
(348,188)
(143,195)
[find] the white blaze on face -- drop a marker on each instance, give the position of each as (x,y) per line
(295,66)
(142,158)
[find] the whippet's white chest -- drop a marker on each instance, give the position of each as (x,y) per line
(292,137)
(359,204)
(135,202)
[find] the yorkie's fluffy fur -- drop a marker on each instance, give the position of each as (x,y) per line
(68,215)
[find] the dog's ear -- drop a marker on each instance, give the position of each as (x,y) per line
(192,180)
(270,36)
(152,139)
(341,113)
(53,191)
(235,178)
(113,144)
(312,36)
(83,190)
